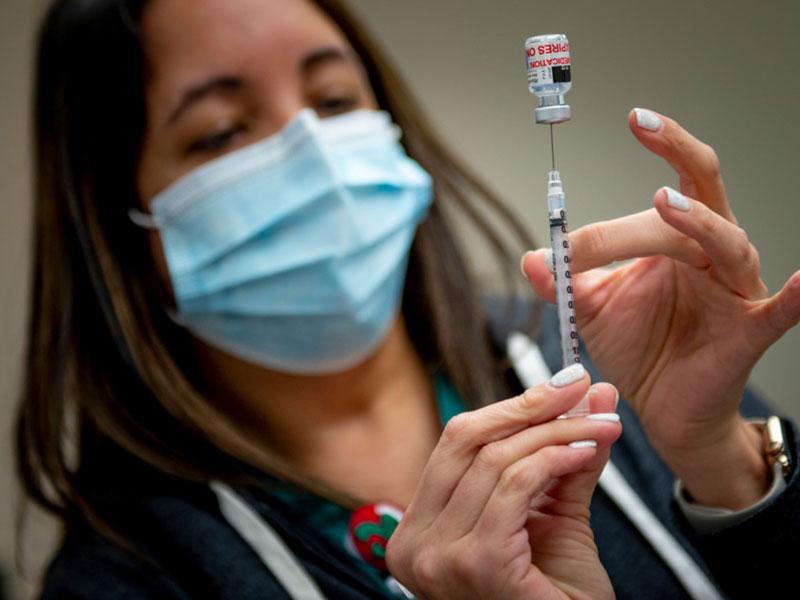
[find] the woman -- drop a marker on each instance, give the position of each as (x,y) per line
(252,317)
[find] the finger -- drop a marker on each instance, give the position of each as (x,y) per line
(603,398)
(603,401)
(507,509)
(576,489)
(633,236)
(777,315)
(467,432)
(590,289)
(477,484)
(695,162)
(733,258)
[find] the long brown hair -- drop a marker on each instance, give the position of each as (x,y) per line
(106,372)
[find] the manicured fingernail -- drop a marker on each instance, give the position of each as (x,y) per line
(647,119)
(677,200)
(568,376)
(548,260)
(584,444)
(522,263)
(610,417)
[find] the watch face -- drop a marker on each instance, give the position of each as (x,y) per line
(775,445)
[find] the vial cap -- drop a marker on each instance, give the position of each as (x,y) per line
(552,114)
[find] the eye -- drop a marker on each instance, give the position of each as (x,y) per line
(334,105)
(214,142)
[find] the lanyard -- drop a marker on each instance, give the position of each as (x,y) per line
(531,369)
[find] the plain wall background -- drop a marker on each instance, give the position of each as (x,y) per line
(728,70)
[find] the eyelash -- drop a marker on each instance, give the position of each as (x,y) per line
(337,104)
(220,139)
(215,142)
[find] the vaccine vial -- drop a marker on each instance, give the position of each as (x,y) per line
(548,63)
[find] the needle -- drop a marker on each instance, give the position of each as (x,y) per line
(552,147)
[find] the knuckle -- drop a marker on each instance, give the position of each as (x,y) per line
(467,560)
(551,459)
(744,249)
(425,567)
(492,457)
(530,398)
(514,477)
(401,549)
(752,262)
(396,556)
(755,256)
(680,144)
(459,427)
(710,160)
(708,224)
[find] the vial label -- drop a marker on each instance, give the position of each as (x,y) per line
(548,62)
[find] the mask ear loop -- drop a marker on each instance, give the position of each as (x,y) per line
(144,220)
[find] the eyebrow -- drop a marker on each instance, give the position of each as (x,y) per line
(323,55)
(233,83)
(196,93)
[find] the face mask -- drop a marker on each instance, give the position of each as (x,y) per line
(291,253)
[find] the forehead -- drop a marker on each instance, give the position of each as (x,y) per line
(186,40)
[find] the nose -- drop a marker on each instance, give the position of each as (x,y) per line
(283,109)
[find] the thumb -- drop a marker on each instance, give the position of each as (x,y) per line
(778,314)
(578,487)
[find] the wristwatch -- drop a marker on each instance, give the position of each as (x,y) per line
(775,449)
(709,519)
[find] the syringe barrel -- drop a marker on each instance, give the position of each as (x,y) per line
(562,270)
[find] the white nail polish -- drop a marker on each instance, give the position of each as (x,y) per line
(584,444)
(677,200)
(567,376)
(548,260)
(647,119)
(610,417)
(522,263)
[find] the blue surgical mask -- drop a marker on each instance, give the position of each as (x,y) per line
(291,253)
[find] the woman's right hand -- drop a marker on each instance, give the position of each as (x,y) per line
(502,508)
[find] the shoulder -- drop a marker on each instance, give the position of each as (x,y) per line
(87,566)
(184,548)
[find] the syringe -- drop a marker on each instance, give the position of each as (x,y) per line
(562,257)
(562,263)
(549,77)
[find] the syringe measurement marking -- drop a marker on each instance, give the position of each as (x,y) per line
(564,291)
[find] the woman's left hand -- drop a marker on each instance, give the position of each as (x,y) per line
(679,329)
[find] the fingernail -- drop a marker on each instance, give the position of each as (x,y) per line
(568,376)
(584,444)
(677,200)
(522,263)
(610,417)
(616,398)
(647,119)
(548,260)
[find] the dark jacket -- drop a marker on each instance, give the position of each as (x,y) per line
(194,553)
